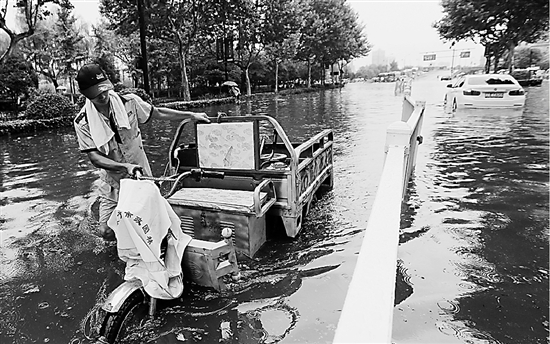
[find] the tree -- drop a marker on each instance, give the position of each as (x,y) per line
(17,76)
(236,25)
(526,57)
(110,45)
(281,31)
(176,22)
(41,51)
(332,33)
(68,41)
(495,24)
(34,11)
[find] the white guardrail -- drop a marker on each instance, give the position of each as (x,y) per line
(367,315)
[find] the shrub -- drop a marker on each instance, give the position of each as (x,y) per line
(137,91)
(16,76)
(50,105)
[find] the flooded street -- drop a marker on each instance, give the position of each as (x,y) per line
(473,259)
(475,244)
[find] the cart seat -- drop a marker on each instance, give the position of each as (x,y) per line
(234,201)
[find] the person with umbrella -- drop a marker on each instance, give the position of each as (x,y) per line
(233,89)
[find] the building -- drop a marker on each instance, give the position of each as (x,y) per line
(379,57)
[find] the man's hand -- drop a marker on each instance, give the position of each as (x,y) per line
(131,169)
(201,117)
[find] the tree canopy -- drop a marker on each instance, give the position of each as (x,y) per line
(497,25)
(32,11)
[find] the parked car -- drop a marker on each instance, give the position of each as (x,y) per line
(528,77)
(485,91)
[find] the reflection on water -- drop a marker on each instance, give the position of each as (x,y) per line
(480,273)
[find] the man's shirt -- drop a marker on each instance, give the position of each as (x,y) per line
(125,146)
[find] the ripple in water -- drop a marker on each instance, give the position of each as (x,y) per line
(448,307)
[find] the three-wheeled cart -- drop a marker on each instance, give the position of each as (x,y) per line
(266,177)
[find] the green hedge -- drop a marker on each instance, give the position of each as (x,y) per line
(50,105)
(32,125)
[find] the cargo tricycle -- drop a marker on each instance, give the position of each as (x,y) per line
(267,177)
(225,179)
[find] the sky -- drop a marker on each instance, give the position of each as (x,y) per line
(403,29)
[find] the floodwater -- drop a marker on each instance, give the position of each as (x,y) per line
(475,244)
(473,261)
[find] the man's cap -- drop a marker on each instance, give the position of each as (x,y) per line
(92,81)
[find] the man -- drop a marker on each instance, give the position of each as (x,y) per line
(107,128)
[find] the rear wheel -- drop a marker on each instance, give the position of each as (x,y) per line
(454,105)
(117,325)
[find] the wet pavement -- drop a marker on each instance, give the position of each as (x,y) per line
(473,246)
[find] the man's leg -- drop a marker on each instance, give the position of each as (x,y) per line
(106,208)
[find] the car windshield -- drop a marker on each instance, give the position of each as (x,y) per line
(491,81)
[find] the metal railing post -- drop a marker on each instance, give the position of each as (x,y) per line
(367,314)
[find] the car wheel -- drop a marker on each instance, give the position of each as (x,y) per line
(454,105)
(445,101)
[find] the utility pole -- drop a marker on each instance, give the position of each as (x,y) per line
(144,64)
(453,58)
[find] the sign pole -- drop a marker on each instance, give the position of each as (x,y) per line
(452,62)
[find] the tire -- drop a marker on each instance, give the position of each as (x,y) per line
(455,106)
(115,323)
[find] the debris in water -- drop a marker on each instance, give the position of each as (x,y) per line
(33,289)
(225,328)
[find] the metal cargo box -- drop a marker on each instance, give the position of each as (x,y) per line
(205,212)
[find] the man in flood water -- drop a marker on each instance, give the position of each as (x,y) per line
(107,128)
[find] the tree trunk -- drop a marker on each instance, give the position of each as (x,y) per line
(247,80)
(186,95)
(496,61)
(276,76)
(14,39)
(487,54)
(308,73)
(511,60)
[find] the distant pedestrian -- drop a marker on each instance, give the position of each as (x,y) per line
(399,85)
(235,92)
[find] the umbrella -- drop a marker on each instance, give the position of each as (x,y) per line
(230,83)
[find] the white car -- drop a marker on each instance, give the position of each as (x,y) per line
(485,91)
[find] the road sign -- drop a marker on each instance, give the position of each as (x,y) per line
(429,57)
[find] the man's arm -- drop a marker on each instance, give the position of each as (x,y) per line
(167,113)
(100,160)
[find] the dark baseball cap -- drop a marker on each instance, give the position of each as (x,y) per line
(92,81)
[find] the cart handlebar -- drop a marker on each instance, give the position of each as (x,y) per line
(195,173)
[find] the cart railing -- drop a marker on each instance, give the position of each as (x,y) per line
(367,315)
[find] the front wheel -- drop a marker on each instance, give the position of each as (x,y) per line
(117,325)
